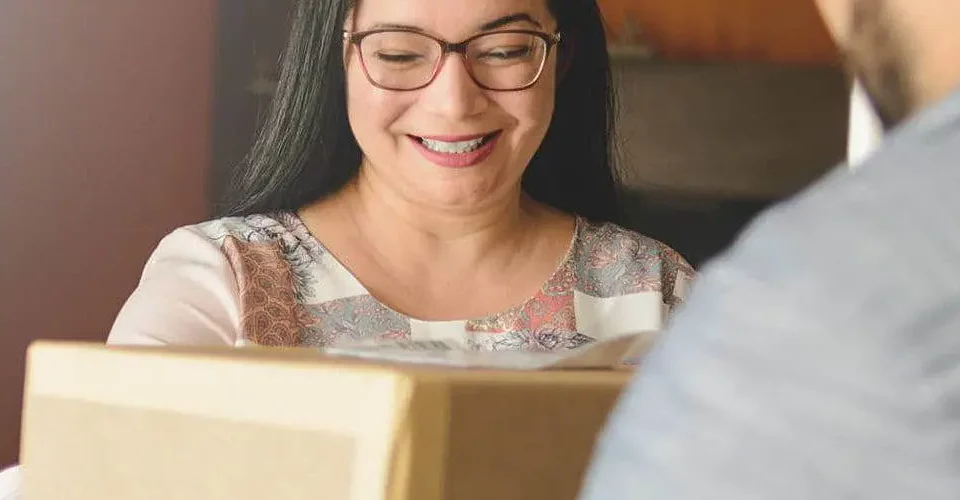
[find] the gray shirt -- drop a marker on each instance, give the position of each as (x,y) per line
(818,358)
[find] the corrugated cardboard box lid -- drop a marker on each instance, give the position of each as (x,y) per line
(150,423)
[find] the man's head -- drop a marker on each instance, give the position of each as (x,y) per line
(905,52)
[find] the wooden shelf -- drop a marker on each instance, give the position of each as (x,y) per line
(782,31)
(623,52)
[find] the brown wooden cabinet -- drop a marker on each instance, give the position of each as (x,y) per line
(786,31)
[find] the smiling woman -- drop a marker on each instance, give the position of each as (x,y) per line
(426,172)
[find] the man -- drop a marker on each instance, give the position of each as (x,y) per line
(819,358)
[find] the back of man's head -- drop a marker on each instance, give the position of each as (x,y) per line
(905,52)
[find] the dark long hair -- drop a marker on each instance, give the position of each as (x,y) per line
(306,149)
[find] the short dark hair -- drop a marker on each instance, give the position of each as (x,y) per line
(306,150)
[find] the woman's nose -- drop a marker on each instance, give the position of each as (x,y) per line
(453,93)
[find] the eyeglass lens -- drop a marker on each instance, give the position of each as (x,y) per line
(407,60)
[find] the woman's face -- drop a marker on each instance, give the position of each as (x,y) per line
(451,144)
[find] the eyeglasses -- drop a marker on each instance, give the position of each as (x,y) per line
(400,59)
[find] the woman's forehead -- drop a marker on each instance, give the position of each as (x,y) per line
(452,19)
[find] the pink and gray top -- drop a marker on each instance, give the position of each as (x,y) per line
(265,279)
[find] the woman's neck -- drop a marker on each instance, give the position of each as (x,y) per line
(438,264)
(463,235)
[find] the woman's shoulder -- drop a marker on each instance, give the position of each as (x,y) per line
(202,279)
(269,228)
(251,243)
(279,233)
(615,260)
(601,238)
(275,243)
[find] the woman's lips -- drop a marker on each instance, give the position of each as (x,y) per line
(454,138)
(452,158)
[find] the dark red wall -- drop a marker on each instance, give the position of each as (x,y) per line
(104,146)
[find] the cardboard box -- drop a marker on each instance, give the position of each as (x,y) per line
(242,424)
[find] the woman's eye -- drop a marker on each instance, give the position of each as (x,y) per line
(397,57)
(506,53)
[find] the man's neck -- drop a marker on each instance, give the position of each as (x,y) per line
(932,44)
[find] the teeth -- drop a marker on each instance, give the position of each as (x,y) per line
(452,147)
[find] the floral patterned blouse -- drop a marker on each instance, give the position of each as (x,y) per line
(264,279)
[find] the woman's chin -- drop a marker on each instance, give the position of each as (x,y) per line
(462,198)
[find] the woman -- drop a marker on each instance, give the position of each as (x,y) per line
(428,172)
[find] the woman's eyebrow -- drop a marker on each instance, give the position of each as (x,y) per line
(394,26)
(519,17)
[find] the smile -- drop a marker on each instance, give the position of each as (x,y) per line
(456,151)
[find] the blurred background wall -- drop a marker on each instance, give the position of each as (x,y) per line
(104,146)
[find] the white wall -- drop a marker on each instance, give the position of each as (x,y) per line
(865,132)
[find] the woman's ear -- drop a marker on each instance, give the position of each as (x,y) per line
(347,27)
